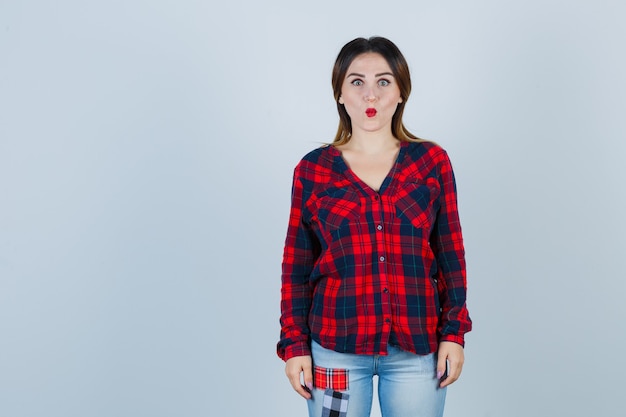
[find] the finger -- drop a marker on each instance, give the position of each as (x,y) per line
(297,386)
(307,371)
(441,364)
(454,371)
(453,377)
(293,374)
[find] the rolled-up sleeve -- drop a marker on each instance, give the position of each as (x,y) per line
(300,253)
(447,245)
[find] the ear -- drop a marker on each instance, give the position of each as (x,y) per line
(340,100)
(400,101)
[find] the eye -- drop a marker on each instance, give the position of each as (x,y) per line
(357,82)
(383,82)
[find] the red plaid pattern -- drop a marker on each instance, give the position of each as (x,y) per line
(334,379)
(362,269)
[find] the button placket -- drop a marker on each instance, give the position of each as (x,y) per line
(378,204)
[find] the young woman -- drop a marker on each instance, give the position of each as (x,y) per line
(373,278)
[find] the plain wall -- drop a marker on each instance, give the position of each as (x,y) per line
(146,154)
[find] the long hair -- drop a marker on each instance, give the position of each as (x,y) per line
(400,70)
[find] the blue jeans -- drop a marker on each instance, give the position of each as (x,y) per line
(407,383)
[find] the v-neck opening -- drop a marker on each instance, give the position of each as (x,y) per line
(362,184)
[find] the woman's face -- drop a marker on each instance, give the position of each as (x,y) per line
(370,94)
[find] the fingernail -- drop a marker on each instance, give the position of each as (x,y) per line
(439,374)
(309,386)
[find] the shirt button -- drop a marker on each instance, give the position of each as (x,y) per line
(379,227)
(386,291)
(376,197)
(382,259)
(387,320)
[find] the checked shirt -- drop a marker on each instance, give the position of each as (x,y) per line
(361,268)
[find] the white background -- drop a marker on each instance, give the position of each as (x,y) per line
(146,153)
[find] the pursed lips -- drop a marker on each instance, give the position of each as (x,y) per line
(370,112)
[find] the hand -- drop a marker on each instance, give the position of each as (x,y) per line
(453,353)
(294,368)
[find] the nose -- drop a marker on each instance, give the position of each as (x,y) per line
(369,96)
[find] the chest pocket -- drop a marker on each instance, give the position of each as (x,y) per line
(417,201)
(338,207)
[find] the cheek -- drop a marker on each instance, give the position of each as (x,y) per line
(393,100)
(350,106)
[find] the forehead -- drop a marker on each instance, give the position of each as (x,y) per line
(369,63)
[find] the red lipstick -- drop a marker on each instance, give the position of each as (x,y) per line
(371,112)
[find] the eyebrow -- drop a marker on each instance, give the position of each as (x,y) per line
(354,74)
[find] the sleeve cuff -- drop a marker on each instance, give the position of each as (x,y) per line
(453,338)
(296,349)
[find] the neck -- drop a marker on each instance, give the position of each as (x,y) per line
(372,142)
